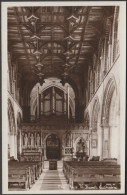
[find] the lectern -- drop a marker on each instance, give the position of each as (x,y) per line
(53,164)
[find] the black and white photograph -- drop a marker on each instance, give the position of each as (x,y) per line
(63,97)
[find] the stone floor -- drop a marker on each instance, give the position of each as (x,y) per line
(51,180)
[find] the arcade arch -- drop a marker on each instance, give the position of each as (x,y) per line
(11,131)
(109,120)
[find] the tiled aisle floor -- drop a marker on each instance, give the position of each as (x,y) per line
(51,180)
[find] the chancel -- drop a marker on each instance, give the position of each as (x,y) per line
(63,98)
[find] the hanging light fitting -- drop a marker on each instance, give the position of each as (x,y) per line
(40,75)
(73,19)
(33,19)
(39,65)
(37,53)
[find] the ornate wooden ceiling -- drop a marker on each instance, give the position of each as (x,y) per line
(54,41)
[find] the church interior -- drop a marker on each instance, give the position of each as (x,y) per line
(63,93)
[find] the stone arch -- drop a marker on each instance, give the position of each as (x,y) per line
(19,119)
(95,127)
(54,132)
(95,112)
(19,122)
(107,96)
(11,118)
(71,99)
(90,83)
(87,119)
(53,146)
(29,84)
(110,121)
(44,141)
(67,139)
(11,131)
(76,142)
(100,57)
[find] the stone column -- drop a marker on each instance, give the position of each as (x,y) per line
(11,144)
(45,158)
(15,145)
(41,137)
(42,104)
(106,141)
(90,148)
(53,100)
(63,146)
(39,105)
(64,103)
(119,140)
(20,135)
(35,140)
(18,140)
(102,139)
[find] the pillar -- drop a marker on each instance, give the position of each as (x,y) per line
(22,135)
(35,140)
(15,145)
(12,145)
(106,142)
(20,150)
(41,137)
(64,103)
(39,106)
(42,104)
(53,100)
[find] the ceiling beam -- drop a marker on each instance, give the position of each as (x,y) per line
(20,33)
(83,34)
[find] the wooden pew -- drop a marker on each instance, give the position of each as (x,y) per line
(19,176)
(67,164)
(28,160)
(94,175)
(35,158)
(17,168)
(91,172)
(32,167)
(38,166)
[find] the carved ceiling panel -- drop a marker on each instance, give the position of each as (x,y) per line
(49,41)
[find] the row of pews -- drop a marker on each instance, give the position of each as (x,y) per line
(24,172)
(92,174)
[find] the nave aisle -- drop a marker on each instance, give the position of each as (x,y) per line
(51,180)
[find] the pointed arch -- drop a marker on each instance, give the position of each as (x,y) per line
(95,112)
(87,119)
(11,118)
(109,90)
